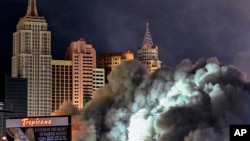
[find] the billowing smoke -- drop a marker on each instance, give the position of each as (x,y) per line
(66,109)
(191,102)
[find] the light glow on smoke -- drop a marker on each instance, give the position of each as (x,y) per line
(139,126)
(189,103)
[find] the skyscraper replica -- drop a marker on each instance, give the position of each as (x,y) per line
(32,59)
(83,57)
(148,52)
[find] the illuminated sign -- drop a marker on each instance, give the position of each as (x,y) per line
(36,122)
(39,129)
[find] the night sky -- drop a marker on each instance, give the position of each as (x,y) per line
(181,28)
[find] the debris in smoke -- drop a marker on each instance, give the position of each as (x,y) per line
(187,103)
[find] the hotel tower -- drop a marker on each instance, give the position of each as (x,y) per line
(32,59)
(83,57)
(148,52)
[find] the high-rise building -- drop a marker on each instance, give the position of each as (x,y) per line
(61,82)
(109,61)
(98,78)
(16,91)
(13,99)
(148,52)
(32,59)
(83,57)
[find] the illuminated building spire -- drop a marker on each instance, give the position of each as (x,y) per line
(147,40)
(32,10)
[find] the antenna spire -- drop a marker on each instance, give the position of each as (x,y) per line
(147,37)
(32,10)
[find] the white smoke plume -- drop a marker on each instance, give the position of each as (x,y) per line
(191,102)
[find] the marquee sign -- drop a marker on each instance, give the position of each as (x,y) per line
(39,129)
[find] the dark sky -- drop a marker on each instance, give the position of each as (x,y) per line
(181,28)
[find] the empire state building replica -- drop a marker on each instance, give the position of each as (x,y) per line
(148,52)
(32,59)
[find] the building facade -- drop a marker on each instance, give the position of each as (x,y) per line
(109,61)
(83,57)
(148,52)
(16,91)
(98,78)
(13,99)
(32,59)
(61,82)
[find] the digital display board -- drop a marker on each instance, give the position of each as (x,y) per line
(39,129)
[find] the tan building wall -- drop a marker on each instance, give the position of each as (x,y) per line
(31,59)
(109,61)
(83,57)
(98,78)
(149,58)
(61,82)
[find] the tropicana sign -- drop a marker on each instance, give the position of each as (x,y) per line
(35,122)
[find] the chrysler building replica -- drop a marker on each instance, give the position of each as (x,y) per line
(148,52)
(32,60)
